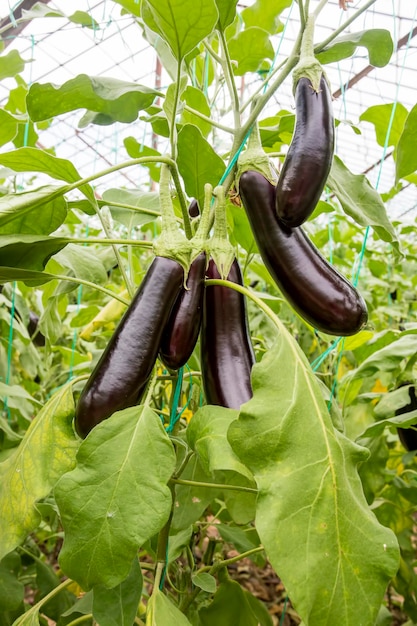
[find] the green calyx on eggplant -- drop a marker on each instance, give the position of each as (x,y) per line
(314,288)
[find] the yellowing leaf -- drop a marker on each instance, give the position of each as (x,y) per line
(46,452)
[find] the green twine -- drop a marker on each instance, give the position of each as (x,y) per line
(284,610)
(175,415)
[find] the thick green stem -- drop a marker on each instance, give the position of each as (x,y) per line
(87,283)
(230,79)
(193,483)
(319,8)
(173,127)
(30,615)
(122,205)
(81,619)
(203,117)
(101,240)
(341,28)
(184,209)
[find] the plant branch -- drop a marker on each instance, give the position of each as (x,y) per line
(122,242)
(319,8)
(131,207)
(203,117)
(87,283)
(173,126)
(230,79)
(184,209)
(81,619)
(194,483)
(341,28)
(31,613)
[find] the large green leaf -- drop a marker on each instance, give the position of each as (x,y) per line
(227,12)
(207,436)
(42,10)
(8,127)
(30,252)
(196,99)
(361,201)
(234,605)
(111,99)
(148,200)
(388,358)
(407,154)
(35,160)
(183,24)
(380,116)
(265,14)
(378,41)
(46,452)
(117,496)
(162,612)
(38,212)
(11,64)
(326,545)
(83,263)
(29,277)
(12,591)
(250,48)
(137,150)
(118,606)
(198,162)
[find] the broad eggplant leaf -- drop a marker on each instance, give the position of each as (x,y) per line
(227,12)
(380,116)
(117,496)
(250,48)
(378,41)
(40,9)
(83,263)
(198,163)
(407,154)
(111,99)
(204,581)
(146,200)
(29,252)
(196,99)
(207,436)
(8,127)
(46,452)
(133,6)
(231,605)
(38,212)
(29,277)
(265,15)
(388,358)
(183,24)
(361,201)
(162,612)
(12,591)
(319,534)
(137,150)
(118,606)
(11,64)
(36,160)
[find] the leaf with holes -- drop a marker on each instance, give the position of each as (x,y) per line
(46,452)
(117,496)
(327,546)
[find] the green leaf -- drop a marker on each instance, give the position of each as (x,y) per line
(190,501)
(170,100)
(183,24)
(122,466)
(118,606)
(46,452)
(312,517)
(406,155)
(28,251)
(111,99)
(380,116)
(38,212)
(388,358)
(12,591)
(230,605)
(29,277)
(265,15)
(132,6)
(378,41)
(11,64)
(361,201)
(8,127)
(42,10)
(134,197)
(204,581)
(137,150)
(35,160)
(207,436)
(198,163)
(162,612)
(83,263)
(227,12)
(196,99)
(250,48)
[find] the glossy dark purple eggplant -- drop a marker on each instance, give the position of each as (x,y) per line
(226,350)
(309,158)
(317,291)
(408,436)
(181,332)
(193,208)
(125,366)
(33,330)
